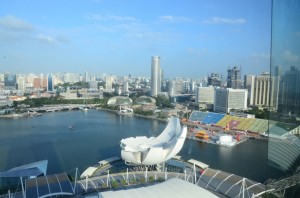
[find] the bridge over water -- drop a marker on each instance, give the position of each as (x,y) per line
(52,108)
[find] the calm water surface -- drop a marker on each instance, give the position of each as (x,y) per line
(96,135)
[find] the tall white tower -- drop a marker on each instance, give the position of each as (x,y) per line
(108,82)
(155,76)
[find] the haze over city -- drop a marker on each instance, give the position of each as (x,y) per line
(192,38)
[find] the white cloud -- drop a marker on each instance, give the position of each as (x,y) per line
(197,52)
(152,36)
(53,40)
(63,39)
(100,17)
(46,39)
(173,19)
(11,22)
(260,55)
(219,20)
(290,57)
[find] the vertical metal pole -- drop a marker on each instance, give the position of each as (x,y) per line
(107,178)
(243,187)
(166,174)
(8,193)
(23,192)
(75,180)
(146,174)
(185,174)
(195,173)
(127,181)
(86,181)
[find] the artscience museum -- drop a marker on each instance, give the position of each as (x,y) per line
(142,150)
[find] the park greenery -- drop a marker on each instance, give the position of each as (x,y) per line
(259,113)
(144,113)
(163,102)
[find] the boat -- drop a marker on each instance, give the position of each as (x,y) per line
(202,135)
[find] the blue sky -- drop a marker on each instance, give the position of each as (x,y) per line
(193,37)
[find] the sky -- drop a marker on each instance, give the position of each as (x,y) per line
(192,37)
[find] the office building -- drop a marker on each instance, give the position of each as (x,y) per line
(108,83)
(10,81)
(86,77)
(50,83)
(215,80)
(290,100)
(171,87)
(249,81)
(205,94)
(1,78)
(125,87)
(185,86)
(156,73)
(21,83)
(234,78)
(192,86)
(262,88)
(204,98)
(228,99)
(276,86)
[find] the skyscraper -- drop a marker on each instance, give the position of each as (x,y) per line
(234,78)
(108,83)
(50,85)
(155,76)
(290,103)
(261,93)
(10,81)
(249,81)
(214,79)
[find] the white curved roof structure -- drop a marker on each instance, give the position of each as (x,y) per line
(119,100)
(150,151)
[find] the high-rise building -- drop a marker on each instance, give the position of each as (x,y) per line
(234,78)
(262,88)
(21,83)
(205,95)
(171,87)
(185,86)
(86,77)
(215,80)
(276,86)
(249,81)
(192,86)
(1,78)
(50,83)
(10,81)
(125,87)
(108,83)
(290,100)
(228,99)
(156,73)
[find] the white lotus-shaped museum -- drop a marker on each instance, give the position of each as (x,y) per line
(150,151)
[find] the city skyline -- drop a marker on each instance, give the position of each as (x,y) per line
(193,39)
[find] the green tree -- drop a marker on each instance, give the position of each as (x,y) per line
(163,102)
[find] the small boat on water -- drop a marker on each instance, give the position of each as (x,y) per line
(202,135)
